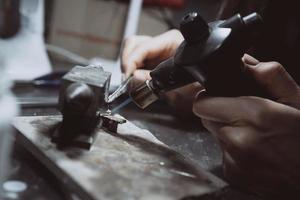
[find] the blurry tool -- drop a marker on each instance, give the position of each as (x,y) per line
(24,54)
(37,102)
(52,79)
(9,18)
(211,54)
(8,110)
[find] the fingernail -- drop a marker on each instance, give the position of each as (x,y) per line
(127,74)
(200,94)
(249,60)
(142,74)
(198,97)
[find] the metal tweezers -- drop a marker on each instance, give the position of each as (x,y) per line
(120,90)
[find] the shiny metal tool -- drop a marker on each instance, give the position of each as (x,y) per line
(211,55)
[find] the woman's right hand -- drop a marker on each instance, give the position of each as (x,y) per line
(142,53)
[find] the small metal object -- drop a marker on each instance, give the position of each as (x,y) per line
(144,95)
(120,90)
(111,122)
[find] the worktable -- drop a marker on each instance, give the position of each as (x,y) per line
(188,137)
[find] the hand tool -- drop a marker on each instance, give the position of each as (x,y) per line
(37,102)
(123,88)
(52,79)
(211,55)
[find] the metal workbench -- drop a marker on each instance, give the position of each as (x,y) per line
(188,137)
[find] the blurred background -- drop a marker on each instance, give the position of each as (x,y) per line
(92,31)
(95,28)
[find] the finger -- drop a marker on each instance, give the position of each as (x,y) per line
(139,77)
(238,111)
(221,109)
(182,99)
(221,131)
(140,54)
(153,51)
(212,126)
(184,94)
(234,139)
(149,50)
(130,44)
(137,57)
(249,60)
(274,78)
(246,111)
(142,75)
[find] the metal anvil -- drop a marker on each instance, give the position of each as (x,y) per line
(83,103)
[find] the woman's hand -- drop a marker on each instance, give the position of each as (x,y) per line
(141,53)
(260,138)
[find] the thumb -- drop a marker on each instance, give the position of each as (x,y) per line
(142,75)
(139,77)
(273,77)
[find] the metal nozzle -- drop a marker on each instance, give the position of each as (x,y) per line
(253,21)
(143,95)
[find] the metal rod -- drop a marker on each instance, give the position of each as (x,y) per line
(132,22)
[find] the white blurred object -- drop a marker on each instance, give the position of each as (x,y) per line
(133,16)
(24,55)
(8,110)
(114,66)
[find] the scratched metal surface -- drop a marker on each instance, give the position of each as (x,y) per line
(183,135)
(132,164)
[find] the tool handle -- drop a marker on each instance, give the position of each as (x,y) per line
(167,76)
(234,81)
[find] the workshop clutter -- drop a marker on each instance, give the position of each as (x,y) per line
(88,28)
(95,28)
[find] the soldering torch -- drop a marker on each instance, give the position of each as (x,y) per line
(211,55)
